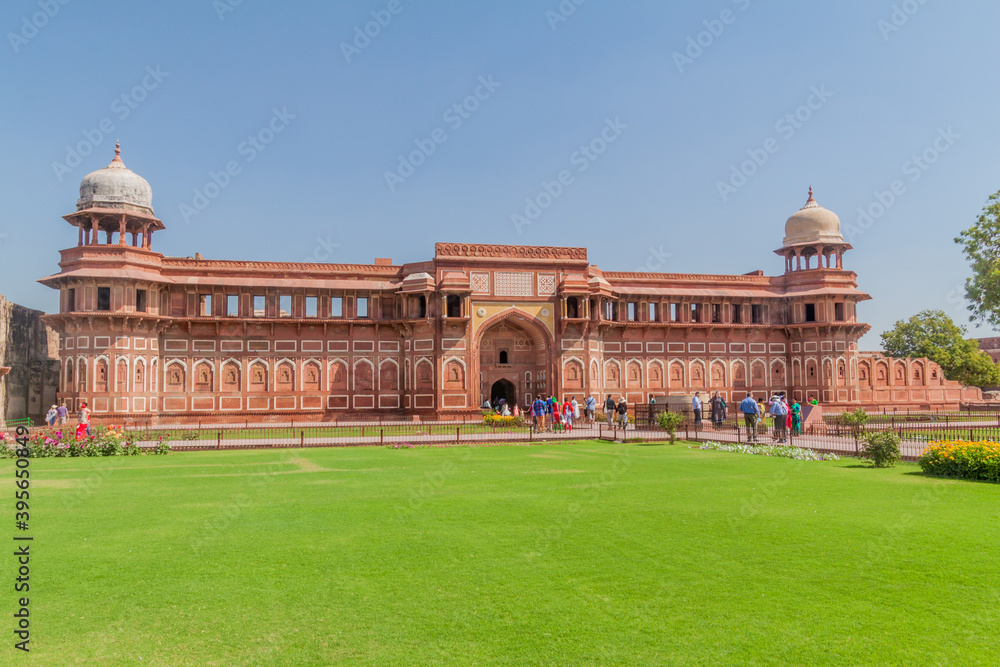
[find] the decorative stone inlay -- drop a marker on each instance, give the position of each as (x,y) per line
(481,283)
(513,284)
(511,251)
(546,283)
(481,312)
(545,312)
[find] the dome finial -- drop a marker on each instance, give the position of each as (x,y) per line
(811,200)
(118,151)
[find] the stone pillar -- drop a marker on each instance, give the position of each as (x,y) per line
(93,230)
(79,241)
(121,231)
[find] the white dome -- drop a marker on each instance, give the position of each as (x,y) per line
(813,224)
(115,186)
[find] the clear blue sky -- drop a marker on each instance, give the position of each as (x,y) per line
(319,188)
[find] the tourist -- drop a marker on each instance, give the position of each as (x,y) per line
(796,418)
(567,410)
(550,410)
(788,412)
(718,410)
(486,404)
(779,411)
(750,411)
(590,409)
(622,409)
(517,411)
(538,414)
(557,425)
(576,408)
(504,410)
(609,409)
(813,400)
(84,418)
(50,416)
(696,407)
(62,412)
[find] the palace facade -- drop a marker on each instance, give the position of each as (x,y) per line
(145,334)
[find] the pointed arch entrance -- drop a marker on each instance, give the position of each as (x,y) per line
(503,389)
(513,351)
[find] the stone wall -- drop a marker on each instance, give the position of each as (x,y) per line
(31,349)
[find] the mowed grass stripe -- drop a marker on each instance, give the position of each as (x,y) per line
(498,555)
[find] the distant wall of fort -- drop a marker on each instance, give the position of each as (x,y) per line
(31,349)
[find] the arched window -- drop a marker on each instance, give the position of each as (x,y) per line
(572,307)
(503,357)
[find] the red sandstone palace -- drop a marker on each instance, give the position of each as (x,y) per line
(144,334)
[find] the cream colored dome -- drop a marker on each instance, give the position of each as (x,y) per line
(813,224)
(115,186)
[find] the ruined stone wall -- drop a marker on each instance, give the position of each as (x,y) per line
(31,349)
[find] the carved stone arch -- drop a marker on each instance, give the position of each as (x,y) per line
(231,375)
(388,375)
(656,374)
(828,371)
(633,374)
(917,372)
(312,375)
(175,375)
(612,374)
(740,374)
(881,378)
(677,377)
(758,373)
(717,374)
(258,373)
(364,375)
(337,373)
(864,373)
(154,374)
(698,373)
(82,378)
(68,375)
(203,377)
(423,372)
(536,328)
(139,375)
(102,372)
(812,371)
(840,377)
(454,373)
(779,373)
(595,372)
(121,375)
(573,373)
(796,371)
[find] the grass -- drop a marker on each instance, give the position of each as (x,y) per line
(576,553)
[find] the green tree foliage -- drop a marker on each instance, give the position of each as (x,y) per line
(981,244)
(932,334)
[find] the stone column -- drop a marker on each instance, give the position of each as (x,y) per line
(121,231)
(93,230)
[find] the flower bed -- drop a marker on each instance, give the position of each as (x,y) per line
(784,451)
(105,441)
(497,420)
(962,458)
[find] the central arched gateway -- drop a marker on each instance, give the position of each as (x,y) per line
(514,353)
(503,389)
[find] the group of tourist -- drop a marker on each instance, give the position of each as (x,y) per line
(717,405)
(549,415)
(57,416)
(786,417)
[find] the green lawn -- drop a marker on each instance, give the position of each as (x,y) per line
(584,553)
(389,429)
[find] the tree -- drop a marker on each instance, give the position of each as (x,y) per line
(932,334)
(981,245)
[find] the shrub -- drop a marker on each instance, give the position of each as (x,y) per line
(855,420)
(961,458)
(881,448)
(669,421)
(497,420)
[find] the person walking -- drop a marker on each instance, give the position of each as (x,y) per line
(576,408)
(84,419)
(62,413)
(696,407)
(751,412)
(622,409)
(609,409)
(796,418)
(51,415)
(567,410)
(718,410)
(590,409)
(550,412)
(538,414)
(779,411)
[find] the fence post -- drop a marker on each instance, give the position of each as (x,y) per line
(218,441)
(381,436)
(302,438)
(458,433)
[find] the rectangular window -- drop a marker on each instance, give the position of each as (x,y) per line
(810,312)
(653,308)
(103,298)
(609,311)
(838,312)
(71,300)
(757,314)
(632,311)
(696,312)
(140,300)
(716,313)
(362,306)
(388,307)
(421,306)
(285,305)
(737,313)
(312,306)
(232,305)
(205,305)
(337,306)
(259,305)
